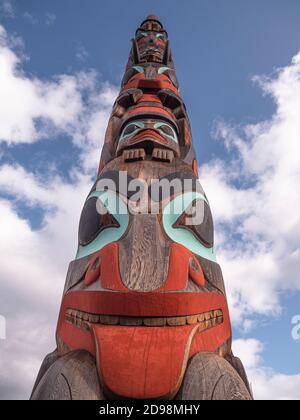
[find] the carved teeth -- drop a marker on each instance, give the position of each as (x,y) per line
(94,318)
(193,319)
(155,322)
(201,317)
(109,320)
(124,320)
(131,155)
(208,315)
(162,154)
(177,320)
(84,320)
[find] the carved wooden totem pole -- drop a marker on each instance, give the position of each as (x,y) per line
(144,312)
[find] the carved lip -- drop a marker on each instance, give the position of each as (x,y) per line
(84,320)
(148,135)
(143,305)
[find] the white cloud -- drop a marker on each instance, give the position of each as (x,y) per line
(266,383)
(255,202)
(34,261)
(256,268)
(67,104)
(31,283)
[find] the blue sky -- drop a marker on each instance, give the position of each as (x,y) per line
(78,50)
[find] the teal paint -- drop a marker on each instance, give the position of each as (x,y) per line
(117,208)
(173,138)
(172,212)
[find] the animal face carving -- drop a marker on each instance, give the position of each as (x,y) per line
(148,133)
(151,45)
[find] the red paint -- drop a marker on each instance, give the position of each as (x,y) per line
(178,268)
(110,274)
(150,134)
(177,278)
(195,168)
(93,272)
(109,268)
(160,82)
(146,110)
(144,362)
(149,97)
(143,304)
(141,362)
(196,273)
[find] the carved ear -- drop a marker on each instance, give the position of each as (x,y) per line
(135,52)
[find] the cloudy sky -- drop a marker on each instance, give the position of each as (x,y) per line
(238,64)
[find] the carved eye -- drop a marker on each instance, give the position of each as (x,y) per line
(162,36)
(131,128)
(167,131)
(92,222)
(197,218)
(141,35)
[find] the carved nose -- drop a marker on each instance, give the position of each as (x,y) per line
(144,255)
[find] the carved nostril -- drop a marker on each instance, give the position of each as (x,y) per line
(93,271)
(195,272)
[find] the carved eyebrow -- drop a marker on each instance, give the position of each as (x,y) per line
(182,235)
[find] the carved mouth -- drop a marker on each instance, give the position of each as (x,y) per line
(205,320)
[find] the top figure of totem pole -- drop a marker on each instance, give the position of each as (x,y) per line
(144,313)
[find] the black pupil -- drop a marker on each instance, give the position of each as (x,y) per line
(90,222)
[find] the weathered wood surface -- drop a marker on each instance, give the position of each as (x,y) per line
(211,377)
(71,377)
(145,267)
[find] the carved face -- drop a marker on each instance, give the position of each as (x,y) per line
(147,134)
(156,77)
(151,45)
(146,261)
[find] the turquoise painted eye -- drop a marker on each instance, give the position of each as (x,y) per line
(167,131)
(142,34)
(104,220)
(173,212)
(161,36)
(130,129)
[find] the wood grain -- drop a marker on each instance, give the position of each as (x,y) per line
(211,377)
(71,377)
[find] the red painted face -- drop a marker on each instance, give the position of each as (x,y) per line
(138,284)
(147,133)
(151,45)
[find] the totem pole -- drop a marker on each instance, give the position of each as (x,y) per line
(144,312)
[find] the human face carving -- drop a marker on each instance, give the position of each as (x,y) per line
(148,133)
